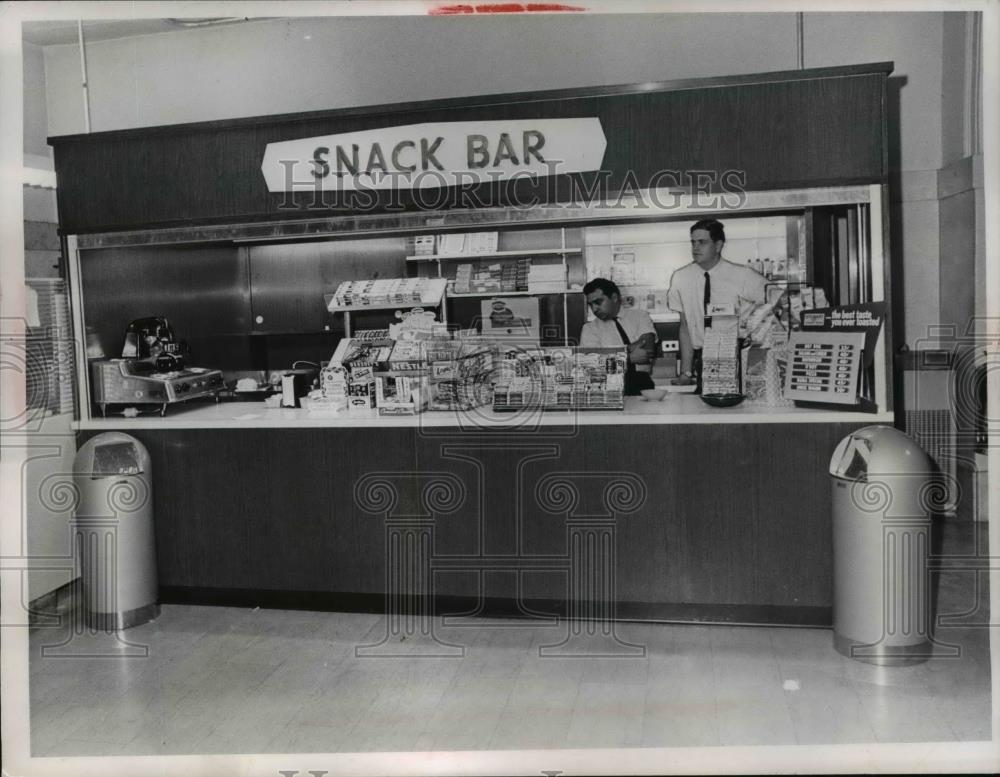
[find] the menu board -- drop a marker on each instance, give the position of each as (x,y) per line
(824,366)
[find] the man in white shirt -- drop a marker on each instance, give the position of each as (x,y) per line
(708,279)
(614,326)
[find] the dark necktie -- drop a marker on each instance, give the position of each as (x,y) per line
(625,341)
(708,298)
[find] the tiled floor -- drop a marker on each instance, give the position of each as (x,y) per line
(226,680)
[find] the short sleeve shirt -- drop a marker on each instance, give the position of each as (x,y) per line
(604,334)
(732,284)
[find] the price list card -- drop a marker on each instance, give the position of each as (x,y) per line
(824,366)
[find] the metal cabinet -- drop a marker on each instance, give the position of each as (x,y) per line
(287,281)
(203,290)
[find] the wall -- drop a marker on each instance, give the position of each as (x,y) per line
(962,269)
(35,111)
(913,42)
(267,67)
(49,458)
(960,180)
(271,67)
(957,130)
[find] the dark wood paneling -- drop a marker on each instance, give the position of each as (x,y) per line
(802,131)
(203,290)
(272,509)
(280,352)
(734,516)
(288,281)
(793,539)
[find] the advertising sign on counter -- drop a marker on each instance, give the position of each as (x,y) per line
(824,367)
(866,318)
(420,156)
(511,318)
(828,357)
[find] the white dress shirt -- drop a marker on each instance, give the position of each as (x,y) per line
(604,334)
(732,284)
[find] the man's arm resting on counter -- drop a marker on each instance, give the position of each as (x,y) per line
(643,349)
(687,351)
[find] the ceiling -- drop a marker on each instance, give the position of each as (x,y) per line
(52,33)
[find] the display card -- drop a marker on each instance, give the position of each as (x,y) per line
(824,366)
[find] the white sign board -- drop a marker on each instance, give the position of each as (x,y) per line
(420,156)
(824,366)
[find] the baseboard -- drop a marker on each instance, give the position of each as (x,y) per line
(324,601)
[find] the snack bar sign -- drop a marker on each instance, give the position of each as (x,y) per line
(420,156)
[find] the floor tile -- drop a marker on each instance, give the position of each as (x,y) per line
(237,680)
(252,729)
(535,715)
(309,738)
(51,723)
(607,715)
(906,715)
(680,712)
(468,715)
(759,716)
(825,710)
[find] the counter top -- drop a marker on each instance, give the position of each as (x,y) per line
(674,409)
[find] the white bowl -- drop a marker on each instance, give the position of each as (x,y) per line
(654,394)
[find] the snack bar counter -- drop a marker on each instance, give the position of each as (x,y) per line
(501,463)
(675,408)
(341,469)
(701,520)
(497,464)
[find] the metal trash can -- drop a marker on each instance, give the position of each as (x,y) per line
(113,532)
(881,484)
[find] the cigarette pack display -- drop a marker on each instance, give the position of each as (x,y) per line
(460,380)
(401,395)
(754,371)
(720,371)
(560,379)
(386,292)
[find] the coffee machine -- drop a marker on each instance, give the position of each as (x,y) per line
(152,370)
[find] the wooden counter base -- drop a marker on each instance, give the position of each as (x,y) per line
(695,522)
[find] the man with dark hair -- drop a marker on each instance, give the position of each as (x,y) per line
(614,326)
(709,279)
